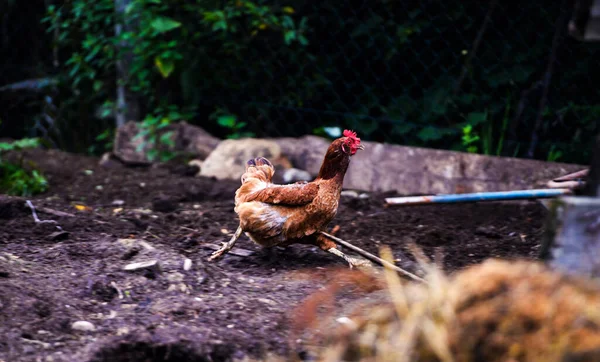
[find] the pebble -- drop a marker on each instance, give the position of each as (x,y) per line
(349,193)
(267,301)
(83,326)
(187,264)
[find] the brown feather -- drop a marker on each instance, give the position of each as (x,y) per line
(285,214)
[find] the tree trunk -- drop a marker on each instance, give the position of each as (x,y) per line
(127,103)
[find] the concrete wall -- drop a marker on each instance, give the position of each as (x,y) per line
(413,170)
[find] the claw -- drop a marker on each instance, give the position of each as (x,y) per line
(226,246)
(337,252)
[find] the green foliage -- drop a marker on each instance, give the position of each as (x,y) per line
(230,122)
(14,178)
(154,135)
(400,72)
(554,154)
(469,138)
(170,49)
(104,142)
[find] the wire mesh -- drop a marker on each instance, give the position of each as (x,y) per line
(413,73)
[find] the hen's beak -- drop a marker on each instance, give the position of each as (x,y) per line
(361,147)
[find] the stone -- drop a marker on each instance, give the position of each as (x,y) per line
(187,264)
(407,170)
(189,140)
(305,153)
(292,175)
(228,160)
(58,236)
(149,265)
(84,326)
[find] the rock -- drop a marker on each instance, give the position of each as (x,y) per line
(175,277)
(187,264)
(132,242)
(109,160)
(189,140)
(118,203)
(305,153)
(349,193)
(228,160)
(422,171)
(414,170)
(292,175)
(58,236)
(148,265)
(267,301)
(83,326)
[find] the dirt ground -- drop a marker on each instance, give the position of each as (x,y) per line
(215,311)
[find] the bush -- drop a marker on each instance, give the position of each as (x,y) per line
(14,178)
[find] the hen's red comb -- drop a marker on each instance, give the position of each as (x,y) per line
(350,134)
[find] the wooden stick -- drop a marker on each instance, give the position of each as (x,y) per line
(372,257)
(55,212)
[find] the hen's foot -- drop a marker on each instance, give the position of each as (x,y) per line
(352,262)
(226,246)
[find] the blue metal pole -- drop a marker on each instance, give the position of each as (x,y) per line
(479,196)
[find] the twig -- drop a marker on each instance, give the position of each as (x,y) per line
(35,341)
(55,212)
(546,80)
(37,219)
(372,257)
(187,228)
(476,43)
(114,285)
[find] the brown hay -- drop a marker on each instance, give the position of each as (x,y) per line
(495,311)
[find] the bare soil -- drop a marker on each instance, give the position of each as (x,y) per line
(215,311)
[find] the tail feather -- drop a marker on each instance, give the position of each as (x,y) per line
(258,168)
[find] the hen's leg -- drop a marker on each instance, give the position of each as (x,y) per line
(330,247)
(227,246)
(336,251)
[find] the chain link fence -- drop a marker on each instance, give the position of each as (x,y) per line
(485,76)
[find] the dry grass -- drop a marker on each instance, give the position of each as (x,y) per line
(495,311)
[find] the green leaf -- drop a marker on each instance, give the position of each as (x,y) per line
(98,85)
(164,66)
(227,120)
(152,154)
(163,24)
(289,36)
(219,25)
(302,39)
(166,139)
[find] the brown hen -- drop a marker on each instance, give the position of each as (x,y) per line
(280,215)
